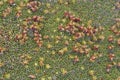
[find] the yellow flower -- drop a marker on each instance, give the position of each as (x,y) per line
(48,5)
(57,19)
(41,59)
(7,75)
(91,72)
(60,1)
(61,52)
(46,11)
(82,68)
(84,42)
(89,23)
(43,78)
(63,71)
(29,11)
(53,52)
(53,11)
(65,49)
(36,49)
(73,1)
(49,46)
(57,41)
(94,78)
(71,56)
(48,66)
(18,8)
(36,64)
(63,20)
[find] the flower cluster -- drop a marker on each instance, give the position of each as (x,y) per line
(32,27)
(23,36)
(82,49)
(25,59)
(6,12)
(33,5)
(78,31)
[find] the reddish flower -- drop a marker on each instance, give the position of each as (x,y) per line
(110,47)
(92,58)
(66,14)
(110,38)
(60,27)
(111,56)
(10,2)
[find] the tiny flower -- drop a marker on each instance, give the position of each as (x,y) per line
(66,43)
(36,64)
(76,59)
(111,56)
(84,42)
(118,42)
(110,47)
(46,37)
(92,58)
(7,75)
(76,19)
(18,14)
(91,72)
(66,14)
(1,64)
(25,62)
(46,11)
(57,19)
(32,76)
(65,49)
(61,51)
(94,78)
(2,49)
(49,46)
(101,37)
(60,27)
(108,67)
(110,38)
(82,68)
(53,52)
(48,66)
(63,71)
(95,47)
(48,5)
(41,63)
